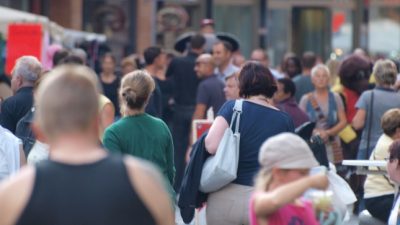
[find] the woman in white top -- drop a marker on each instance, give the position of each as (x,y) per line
(393,168)
(12,156)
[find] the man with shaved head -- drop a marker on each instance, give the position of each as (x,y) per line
(210,92)
(81,183)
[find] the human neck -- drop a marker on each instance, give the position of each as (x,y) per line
(151,69)
(76,148)
(223,66)
(321,90)
(261,100)
(107,74)
(306,72)
(133,112)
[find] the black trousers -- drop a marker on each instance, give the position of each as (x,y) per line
(379,207)
(181,125)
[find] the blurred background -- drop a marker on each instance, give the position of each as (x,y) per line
(329,28)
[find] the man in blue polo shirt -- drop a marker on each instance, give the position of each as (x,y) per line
(26,71)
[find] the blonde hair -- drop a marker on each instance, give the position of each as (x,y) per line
(67,100)
(263,180)
(319,67)
(385,72)
(136,88)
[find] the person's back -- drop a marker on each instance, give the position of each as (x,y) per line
(81,184)
(256,125)
(89,205)
(145,137)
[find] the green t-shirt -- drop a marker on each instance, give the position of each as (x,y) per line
(145,137)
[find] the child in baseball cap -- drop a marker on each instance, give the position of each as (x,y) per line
(285,161)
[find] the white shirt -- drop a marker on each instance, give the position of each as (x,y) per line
(9,153)
(39,152)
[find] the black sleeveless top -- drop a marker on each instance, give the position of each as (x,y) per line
(89,194)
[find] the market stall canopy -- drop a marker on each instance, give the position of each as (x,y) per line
(72,37)
(8,15)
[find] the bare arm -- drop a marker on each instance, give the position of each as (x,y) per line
(14,195)
(148,184)
(358,122)
(199,112)
(269,202)
(107,115)
(215,134)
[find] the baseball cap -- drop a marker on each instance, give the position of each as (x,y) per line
(286,151)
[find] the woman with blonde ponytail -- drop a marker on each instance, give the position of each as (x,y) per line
(138,133)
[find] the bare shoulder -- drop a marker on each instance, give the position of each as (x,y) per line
(148,184)
(14,195)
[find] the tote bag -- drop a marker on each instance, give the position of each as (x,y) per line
(221,169)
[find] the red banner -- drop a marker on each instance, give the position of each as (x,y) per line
(23,39)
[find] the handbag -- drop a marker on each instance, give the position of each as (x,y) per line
(221,168)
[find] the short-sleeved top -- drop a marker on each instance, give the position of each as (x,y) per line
(15,107)
(257,123)
(211,93)
(146,137)
(302,213)
(384,99)
(324,108)
(303,86)
(377,184)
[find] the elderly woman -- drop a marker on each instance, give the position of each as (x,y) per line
(378,190)
(259,121)
(325,108)
(373,104)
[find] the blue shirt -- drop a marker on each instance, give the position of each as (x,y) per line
(257,123)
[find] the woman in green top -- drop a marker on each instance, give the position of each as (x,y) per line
(137,133)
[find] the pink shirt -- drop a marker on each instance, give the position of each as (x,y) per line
(288,214)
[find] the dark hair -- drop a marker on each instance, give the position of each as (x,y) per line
(71,59)
(59,55)
(288,86)
(109,55)
(394,150)
(354,68)
(296,62)
(256,79)
(309,60)
(151,53)
(228,46)
(197,41)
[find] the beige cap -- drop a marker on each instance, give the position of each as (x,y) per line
(286,151)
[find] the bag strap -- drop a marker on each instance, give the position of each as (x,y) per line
(237,110)
(316,107)
(370,123)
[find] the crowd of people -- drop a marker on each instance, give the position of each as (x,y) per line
(112,146)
